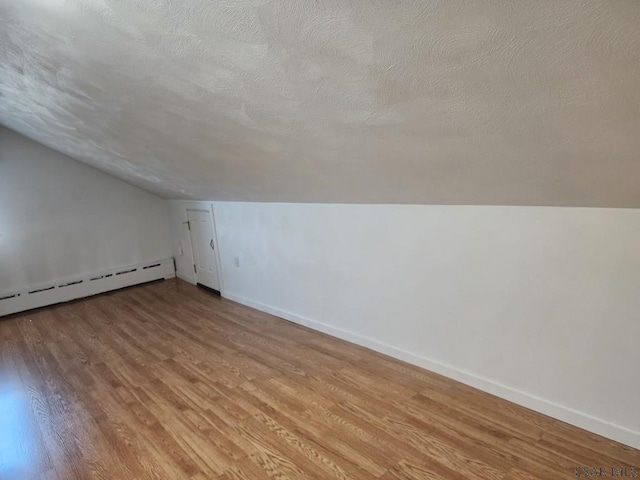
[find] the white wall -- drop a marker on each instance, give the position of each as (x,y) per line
(538,305)
(61,219)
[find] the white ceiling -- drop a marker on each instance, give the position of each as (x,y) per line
(383,101)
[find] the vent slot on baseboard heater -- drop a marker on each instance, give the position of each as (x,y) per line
(42,289)
(124,272)
(101,277)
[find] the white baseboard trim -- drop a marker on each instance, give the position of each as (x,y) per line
(72,288)
(566,414)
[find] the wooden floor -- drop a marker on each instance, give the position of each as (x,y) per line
(167,381)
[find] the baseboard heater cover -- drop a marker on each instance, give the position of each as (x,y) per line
(64,290)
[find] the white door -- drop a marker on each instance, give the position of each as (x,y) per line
(202,242)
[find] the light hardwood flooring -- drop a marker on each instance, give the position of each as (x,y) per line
(166,381)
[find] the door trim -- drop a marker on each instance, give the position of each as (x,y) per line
(206,207)
(217,249)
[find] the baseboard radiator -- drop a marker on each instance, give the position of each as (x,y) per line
(63,290)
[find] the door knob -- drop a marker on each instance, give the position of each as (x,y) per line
(211,244)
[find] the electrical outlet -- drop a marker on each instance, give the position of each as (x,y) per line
(236,261)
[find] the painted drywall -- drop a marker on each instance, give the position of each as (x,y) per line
(538,305)
(514,102)
(62,219)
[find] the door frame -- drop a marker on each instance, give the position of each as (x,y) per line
(209,208)
(217,240)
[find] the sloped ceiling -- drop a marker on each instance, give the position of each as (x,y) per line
(419,101)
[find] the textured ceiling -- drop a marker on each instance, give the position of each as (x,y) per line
(424,101)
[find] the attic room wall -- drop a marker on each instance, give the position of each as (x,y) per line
(538,305)
(60,218)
